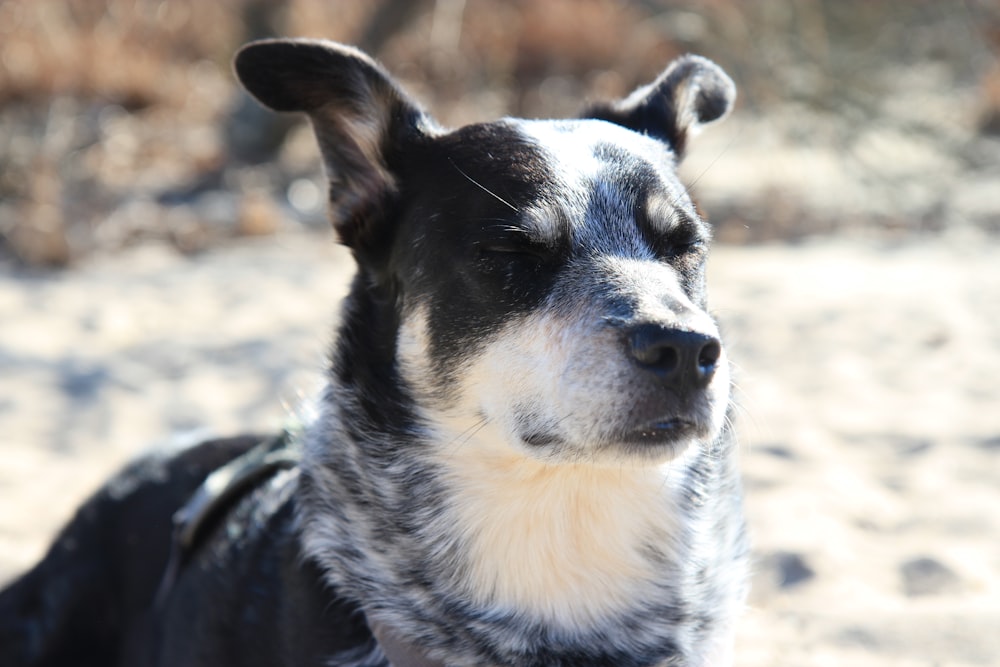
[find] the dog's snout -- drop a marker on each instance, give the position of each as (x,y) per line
(683,359)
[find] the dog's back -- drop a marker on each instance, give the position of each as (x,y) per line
(98,580)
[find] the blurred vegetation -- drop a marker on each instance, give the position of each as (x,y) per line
(120,121)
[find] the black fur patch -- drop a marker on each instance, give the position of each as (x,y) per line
(467,245)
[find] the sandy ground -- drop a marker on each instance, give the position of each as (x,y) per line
(867,376)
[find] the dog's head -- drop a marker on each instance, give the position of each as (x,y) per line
(541,282)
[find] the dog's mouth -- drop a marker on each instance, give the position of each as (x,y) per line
(667,431)
(660,432)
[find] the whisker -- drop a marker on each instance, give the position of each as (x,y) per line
(714,160)
(465,436)
(483,187)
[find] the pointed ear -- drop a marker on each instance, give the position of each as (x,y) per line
(360,116)
(691,92)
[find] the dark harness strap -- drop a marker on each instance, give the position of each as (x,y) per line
(216,495)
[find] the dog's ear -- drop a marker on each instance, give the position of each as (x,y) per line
(359,114)
(691,92)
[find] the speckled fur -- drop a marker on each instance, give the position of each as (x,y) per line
(506,466)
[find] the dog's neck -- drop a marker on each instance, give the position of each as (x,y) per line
(571,544)
(442,532)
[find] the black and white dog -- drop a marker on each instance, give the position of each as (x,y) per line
(522,455)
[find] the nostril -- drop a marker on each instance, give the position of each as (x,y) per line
(708,356)
(663,358)
(650,348)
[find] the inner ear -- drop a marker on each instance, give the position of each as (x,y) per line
(361,118)
(692,92)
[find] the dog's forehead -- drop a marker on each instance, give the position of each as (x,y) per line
(601,172)
(588,148)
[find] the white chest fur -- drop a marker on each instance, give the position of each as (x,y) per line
(568,543)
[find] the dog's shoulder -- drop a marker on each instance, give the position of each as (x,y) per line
(270,603)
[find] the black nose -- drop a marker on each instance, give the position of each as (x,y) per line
(683,359)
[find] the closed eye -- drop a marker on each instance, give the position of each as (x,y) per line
(513,243)
(677,243)
(684,246)
(670,230)
(516,250)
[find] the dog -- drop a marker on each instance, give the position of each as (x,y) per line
(522,454)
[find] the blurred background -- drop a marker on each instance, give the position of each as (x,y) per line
(120,120)
(166,266)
